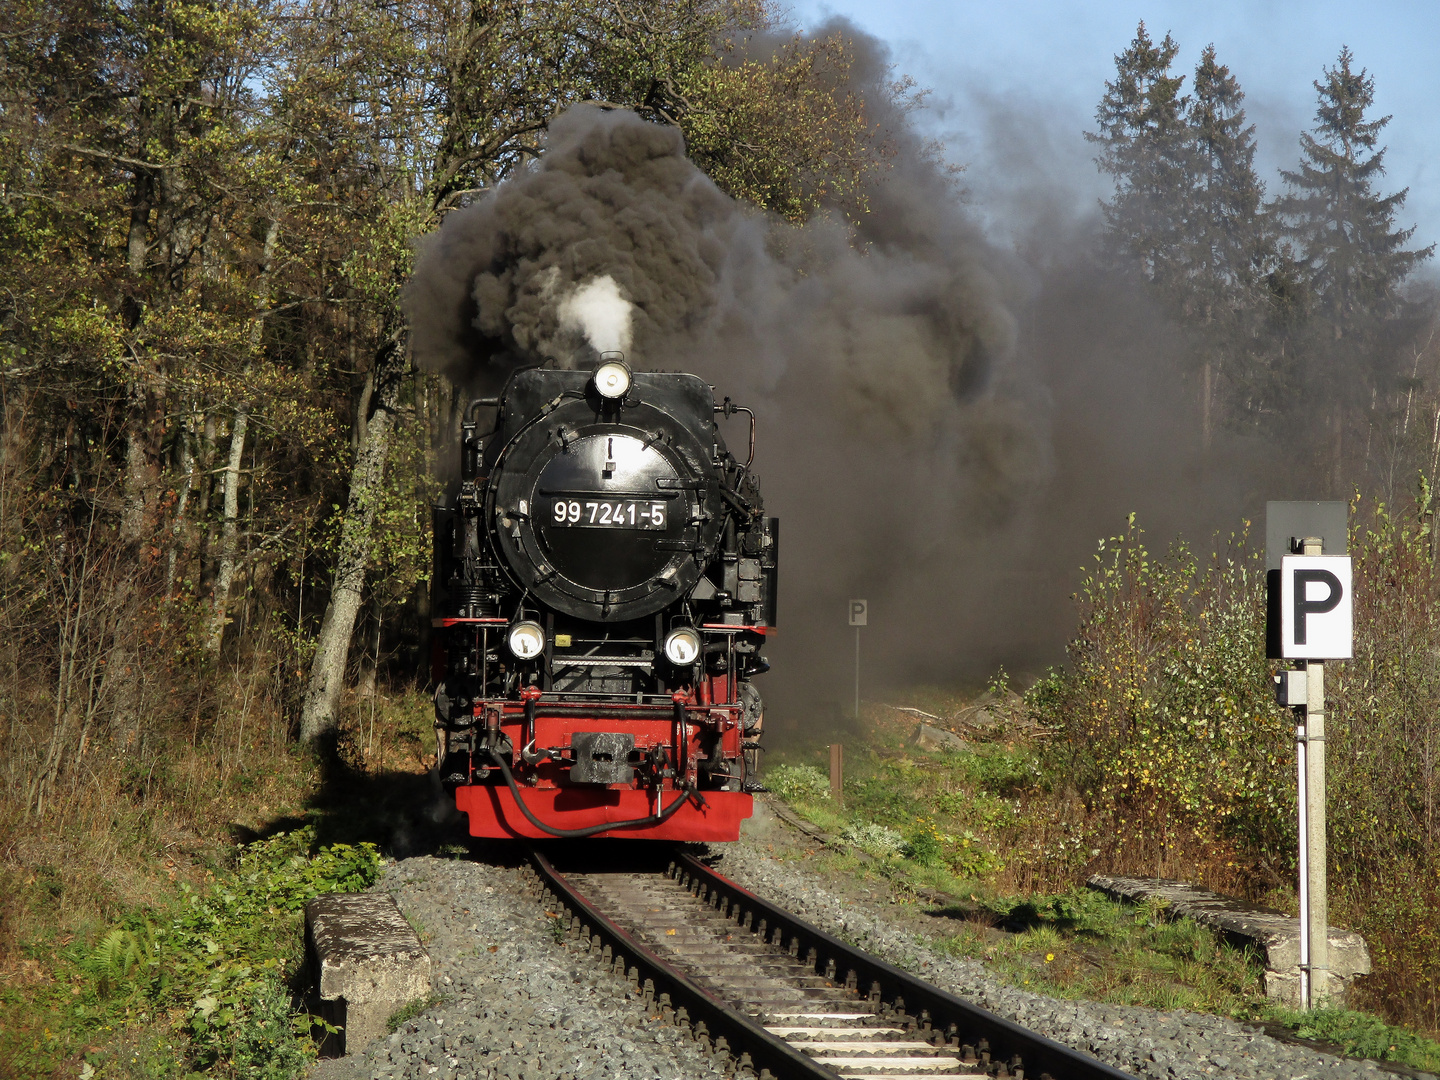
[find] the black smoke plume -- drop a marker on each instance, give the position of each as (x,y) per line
(944,429)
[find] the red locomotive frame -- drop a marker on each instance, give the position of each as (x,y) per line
(709,707)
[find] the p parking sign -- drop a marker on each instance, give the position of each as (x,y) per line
(859,612)
(1308,602)
(1316,612)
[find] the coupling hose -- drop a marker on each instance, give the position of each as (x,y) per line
(591,830)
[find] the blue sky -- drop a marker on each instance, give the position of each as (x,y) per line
(1036,69)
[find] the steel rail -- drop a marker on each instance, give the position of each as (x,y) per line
(744,1039)
(887,986)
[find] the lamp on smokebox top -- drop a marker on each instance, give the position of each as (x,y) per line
(612,376)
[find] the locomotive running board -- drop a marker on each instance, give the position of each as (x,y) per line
(493,813)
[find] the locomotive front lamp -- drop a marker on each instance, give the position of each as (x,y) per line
(612,379)
(526,639)
(682,646)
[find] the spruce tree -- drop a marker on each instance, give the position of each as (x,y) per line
(1225,249)
(1142,143)
(1343,231)
(1352,258)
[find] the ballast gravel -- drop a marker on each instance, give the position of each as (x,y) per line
(512,1001)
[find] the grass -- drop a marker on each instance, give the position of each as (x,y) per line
(414,1009)
(1362,1035)
(1081,945)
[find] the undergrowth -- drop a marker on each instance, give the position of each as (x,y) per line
(206,980)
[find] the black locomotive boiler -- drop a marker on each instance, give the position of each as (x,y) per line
(605,577)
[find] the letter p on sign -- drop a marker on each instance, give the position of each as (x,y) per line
(1316,612)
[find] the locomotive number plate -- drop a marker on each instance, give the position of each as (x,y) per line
(608,513)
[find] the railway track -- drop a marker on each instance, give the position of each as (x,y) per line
(782,998)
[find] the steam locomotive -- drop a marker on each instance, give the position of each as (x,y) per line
(604,580)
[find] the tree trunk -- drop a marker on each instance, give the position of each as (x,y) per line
(185,460)
(1206,422)
(320,713)
(231,502)
(230,530)
(370,655)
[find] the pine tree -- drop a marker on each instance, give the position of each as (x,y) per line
(1143,145)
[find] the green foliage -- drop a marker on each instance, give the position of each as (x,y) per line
(924,844)
(889,795)
(798,783)
(1078,944)
(999,770)
(1078,912)
(1362,1035)
(876,839)
(218,960)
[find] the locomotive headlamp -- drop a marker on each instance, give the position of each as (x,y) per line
(612,379)
(526,639)
(682,646)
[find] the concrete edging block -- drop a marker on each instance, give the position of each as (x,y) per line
(368,964)
(1273,933)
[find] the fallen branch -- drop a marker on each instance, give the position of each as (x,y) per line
(917,712)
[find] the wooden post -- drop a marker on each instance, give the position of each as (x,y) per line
(837,773)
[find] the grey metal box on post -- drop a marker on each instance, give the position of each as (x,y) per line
(1290,687)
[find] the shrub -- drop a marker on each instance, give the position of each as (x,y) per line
(798,783)
(924,844)
(878,840)
(1166,728)
(1165,710)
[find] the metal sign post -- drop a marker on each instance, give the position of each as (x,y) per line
(1309,619)
(859,616)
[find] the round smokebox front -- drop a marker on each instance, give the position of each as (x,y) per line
(607,534)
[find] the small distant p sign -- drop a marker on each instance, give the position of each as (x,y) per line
(1316,612)
(859,612)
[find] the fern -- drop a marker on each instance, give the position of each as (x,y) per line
(117,955)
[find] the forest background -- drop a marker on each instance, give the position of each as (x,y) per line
(216,454)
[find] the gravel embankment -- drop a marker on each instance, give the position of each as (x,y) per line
(515,1004)
(1146,1042)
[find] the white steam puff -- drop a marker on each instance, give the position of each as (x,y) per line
(598,311)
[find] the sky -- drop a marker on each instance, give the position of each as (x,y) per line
(1038,68)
